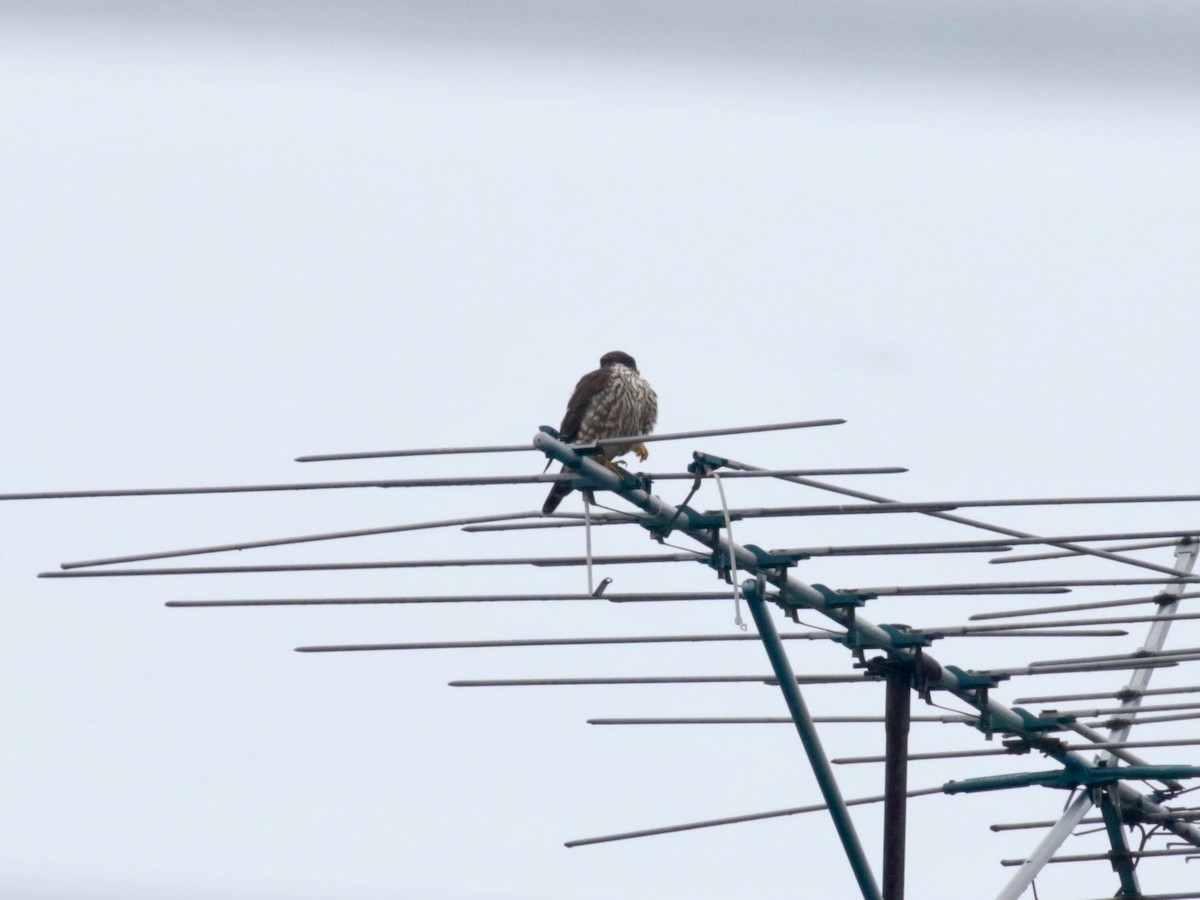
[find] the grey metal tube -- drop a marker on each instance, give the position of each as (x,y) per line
(898,712)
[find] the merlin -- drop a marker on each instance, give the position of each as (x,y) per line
(613,401)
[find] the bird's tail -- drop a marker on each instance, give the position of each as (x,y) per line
(557,494)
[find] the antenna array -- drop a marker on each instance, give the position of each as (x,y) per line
(1088,748)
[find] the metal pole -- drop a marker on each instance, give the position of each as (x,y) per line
(812,743)
(898,713)
(1121,861)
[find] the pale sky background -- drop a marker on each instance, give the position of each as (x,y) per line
(235,233)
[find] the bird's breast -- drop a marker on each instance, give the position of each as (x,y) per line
(626,405)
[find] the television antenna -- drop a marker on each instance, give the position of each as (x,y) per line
(1089,749)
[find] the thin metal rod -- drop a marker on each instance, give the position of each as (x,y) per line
(1061,668)
(902,590)
(1021,542)
(1114,710)
(1049,632)
(718,432)
(998,588)
(1077,607)
(950,517)
(894,549)
(1061,623)
(775,473)
(934,590)
(839,509)
(1024,826)
(439,481)
(735,820)
(513,448)
(657,679)
(626,559)
(812,743)
(1132,745)
(1126,720)
(1136,655)
(1063,554)
(301,539)
(428,451)
(1121,694)
(1101,743)
(619,559)
(996,546)
(617,679)
(463,481)
(553,523)
(1011,751)
(776,720)
(1097,857)
(463,598)
(923,757)
(563,642)
(898,714)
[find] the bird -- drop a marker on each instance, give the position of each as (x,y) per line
(612,401)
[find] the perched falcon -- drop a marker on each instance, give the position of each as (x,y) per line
(613,401)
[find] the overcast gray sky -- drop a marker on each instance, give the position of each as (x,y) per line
(1116,44)
(238,233)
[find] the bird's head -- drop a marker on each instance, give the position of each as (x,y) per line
(616,357)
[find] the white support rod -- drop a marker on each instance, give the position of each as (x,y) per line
(1186,553)
(1185,559)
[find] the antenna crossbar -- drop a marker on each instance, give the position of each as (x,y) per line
(630,439)
(540,561)
(658,679)
(773,720)
(1121,694)
(735,820)
(461,598)
(563,642)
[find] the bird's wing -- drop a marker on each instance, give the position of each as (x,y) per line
(587,388)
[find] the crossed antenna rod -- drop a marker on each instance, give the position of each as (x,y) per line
(628,439)
(905,665)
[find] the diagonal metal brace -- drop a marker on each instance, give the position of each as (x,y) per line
(1122,862)
(809,738)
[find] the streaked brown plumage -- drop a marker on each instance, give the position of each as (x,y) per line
(612,401)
